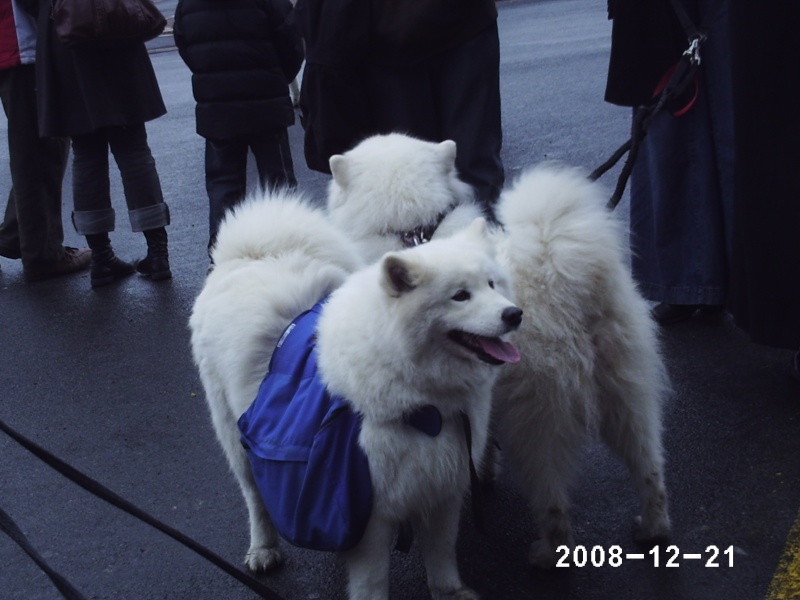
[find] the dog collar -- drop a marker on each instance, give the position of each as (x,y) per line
(424,233)
(426,419)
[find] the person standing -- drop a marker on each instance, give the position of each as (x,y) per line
(32,228)
(242,55)
(430,69)
(101,98)
(681,187)
(765,273)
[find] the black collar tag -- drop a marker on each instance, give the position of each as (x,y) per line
(426,419)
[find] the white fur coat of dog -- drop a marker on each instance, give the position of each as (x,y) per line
(590,355)
(418,327)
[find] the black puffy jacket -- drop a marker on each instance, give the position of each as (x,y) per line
(242,54)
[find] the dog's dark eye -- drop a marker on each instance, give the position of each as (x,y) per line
(462,296)
(491,283)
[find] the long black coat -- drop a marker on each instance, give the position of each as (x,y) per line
(85,88)
(765,272)
(242,54)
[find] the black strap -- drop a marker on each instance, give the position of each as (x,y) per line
(405,534)
(476,492)
(10,528)
(100,491)
(681,78)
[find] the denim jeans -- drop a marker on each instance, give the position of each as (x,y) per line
(681,190)
(91,186)
(226,172)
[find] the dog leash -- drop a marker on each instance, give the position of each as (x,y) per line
(405,535)
(94,487)
(672,86)
(10,528)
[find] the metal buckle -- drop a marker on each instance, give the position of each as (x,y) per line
(693,51)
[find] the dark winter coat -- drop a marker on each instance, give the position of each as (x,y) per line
(765,270)
(346,37)
(646,40)
(85,88)
(406,32)
(242,54)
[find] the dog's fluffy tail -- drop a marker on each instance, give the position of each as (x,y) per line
(564,240)
(559,203)
(269,224)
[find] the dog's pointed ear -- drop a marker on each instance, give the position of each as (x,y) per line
(447,154)
(339,170)
(399,275)
(479,229)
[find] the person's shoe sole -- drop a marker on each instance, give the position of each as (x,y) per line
(109,279)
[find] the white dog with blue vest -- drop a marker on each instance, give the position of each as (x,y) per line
(396,360)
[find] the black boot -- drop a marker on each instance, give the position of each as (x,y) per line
(106,267)
(156,264)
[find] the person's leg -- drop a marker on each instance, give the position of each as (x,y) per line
(93,216)
(681,195)
(274,161)
(146,207)
(91,187)
(9,229)
(455,96)
(226,180)
(677,239)
(32,226)
(466,86)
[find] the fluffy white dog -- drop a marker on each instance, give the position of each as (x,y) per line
(590,354)
(419,328)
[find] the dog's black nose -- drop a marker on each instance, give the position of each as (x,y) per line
(512,316)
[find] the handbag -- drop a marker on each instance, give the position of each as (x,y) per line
(79,22)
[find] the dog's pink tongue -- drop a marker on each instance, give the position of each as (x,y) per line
(497,348)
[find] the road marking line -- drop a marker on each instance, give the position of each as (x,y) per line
(786,581)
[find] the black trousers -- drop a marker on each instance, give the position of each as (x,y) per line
(226,172)
(32,228)
(91,186)
(455,96)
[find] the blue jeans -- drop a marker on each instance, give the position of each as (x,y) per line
(91,188)
(226,172)
(681,191)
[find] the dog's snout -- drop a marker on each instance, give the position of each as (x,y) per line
(512,316)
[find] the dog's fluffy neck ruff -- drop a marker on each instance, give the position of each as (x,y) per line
(408,387)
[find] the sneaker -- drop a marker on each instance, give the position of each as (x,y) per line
(73,260)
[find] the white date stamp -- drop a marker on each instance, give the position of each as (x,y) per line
(670,557)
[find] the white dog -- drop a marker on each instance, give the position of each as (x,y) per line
(419,328)
(590,354)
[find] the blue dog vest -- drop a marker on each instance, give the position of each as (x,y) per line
(302,444)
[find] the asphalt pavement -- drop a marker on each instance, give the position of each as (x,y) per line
(104,379)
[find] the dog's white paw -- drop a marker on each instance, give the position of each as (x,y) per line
(263,559)
(653,530)
(555,532)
